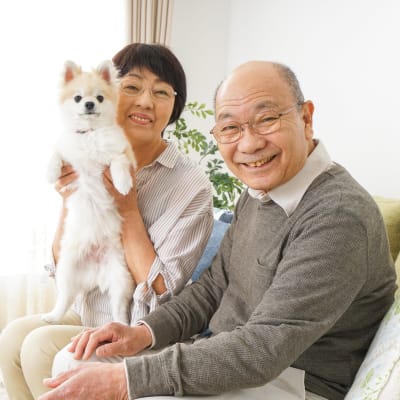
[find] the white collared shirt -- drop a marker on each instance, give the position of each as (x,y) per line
(289,194)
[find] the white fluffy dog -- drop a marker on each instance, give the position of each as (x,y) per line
(91,253)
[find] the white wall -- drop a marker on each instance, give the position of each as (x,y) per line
(345,53)
(199,38)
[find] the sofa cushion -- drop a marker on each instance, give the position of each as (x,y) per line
(379,374)
(222,220)
(390,209)
(397,268)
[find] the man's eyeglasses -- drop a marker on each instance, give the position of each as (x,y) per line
(261,124)
(135,88)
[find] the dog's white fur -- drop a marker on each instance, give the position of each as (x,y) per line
(91,253)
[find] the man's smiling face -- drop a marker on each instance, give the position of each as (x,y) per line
(264,162)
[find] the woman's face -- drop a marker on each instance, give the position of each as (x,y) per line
(145,107)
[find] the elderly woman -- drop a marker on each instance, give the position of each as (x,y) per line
(167,219)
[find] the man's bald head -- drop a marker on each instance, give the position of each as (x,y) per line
(263,70)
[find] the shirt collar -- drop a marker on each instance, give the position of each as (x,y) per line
(168,157)
(289,195)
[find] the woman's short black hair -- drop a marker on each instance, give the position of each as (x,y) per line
(161,62)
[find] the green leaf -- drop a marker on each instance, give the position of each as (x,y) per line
(226,187)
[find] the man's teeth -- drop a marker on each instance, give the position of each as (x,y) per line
(260,162)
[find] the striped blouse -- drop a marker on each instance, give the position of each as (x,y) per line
(175,200)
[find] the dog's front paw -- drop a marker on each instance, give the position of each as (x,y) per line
(123,185)
(121,175)
(122,178)
(54,169)
(53,174)
(50,318)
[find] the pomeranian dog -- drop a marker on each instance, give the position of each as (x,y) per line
(91,253)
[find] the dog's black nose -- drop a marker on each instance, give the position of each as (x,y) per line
(89,105)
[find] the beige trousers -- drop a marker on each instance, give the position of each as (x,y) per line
(28,346)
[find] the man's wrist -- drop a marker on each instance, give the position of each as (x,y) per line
(149,334)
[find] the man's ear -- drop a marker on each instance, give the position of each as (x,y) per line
(308,108)
(308,111)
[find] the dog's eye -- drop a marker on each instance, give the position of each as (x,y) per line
(77,98)
(100,98)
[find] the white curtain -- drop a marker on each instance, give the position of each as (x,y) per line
(23,294)
(151,21)
(34,46)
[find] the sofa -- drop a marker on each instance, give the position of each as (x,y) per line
(378,377)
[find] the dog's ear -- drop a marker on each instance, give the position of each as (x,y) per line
(107,71)
(71,70)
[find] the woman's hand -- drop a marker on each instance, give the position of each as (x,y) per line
(90,381)
(113,339)
(66,183)
(125,203)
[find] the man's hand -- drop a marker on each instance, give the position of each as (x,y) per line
(113,339)
(89,381)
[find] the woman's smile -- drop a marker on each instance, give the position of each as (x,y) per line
(140,118)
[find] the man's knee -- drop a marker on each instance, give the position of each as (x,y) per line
(63,361)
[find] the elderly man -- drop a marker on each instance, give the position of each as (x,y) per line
(297,290)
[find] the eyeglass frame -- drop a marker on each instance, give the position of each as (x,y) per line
(151,91)
(251,123)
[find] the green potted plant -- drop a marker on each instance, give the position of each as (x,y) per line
(227,188)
